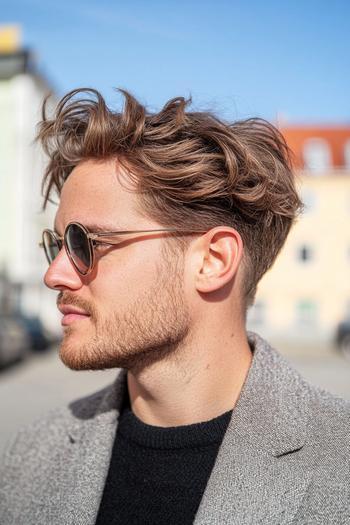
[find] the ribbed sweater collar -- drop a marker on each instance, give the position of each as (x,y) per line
(187,436)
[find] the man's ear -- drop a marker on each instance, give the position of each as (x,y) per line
(219,253)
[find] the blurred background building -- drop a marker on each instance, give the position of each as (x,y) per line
(306,294)
(22,90)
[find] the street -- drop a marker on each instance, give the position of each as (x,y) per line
(31,388)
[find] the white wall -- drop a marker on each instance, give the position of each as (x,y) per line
(21,168)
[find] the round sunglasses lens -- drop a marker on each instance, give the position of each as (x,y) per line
(78,247)
(51,246)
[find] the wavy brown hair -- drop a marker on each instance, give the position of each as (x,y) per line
(191,169)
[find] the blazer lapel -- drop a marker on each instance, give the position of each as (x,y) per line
(262,469)
(91,438)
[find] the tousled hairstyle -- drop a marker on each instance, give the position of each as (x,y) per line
(190,169)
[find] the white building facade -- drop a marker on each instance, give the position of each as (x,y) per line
(22,164)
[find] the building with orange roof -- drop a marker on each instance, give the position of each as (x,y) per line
(322,147)
(307,293)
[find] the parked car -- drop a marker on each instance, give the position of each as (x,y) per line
(39,337)
(14,340)
(343,338)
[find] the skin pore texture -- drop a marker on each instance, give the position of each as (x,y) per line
(172,318)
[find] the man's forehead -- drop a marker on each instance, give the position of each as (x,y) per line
(94,195)
(96,178)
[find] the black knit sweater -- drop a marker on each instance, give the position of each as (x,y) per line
(158,475)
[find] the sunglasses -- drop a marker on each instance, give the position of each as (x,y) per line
(80,244)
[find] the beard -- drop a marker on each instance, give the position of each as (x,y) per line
(152,328)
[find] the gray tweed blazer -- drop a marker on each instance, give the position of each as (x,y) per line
(285,457)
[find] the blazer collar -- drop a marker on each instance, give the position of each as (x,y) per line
(262,468)
(272,410)
(91,432)
(103,409)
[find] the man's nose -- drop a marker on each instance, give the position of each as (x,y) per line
(61,273)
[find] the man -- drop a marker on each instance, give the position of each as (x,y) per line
(165,225)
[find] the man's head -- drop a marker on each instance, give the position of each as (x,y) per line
(175,169)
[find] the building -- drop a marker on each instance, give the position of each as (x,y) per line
(22,90)
(307,292)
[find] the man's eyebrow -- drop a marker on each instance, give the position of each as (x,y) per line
(97,228)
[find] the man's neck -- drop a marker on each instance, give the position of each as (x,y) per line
(201,382)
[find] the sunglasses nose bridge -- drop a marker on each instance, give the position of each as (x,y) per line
(56,260)
(61,274)
(52,245)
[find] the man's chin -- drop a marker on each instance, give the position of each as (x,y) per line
(75,351)
(81,353)
(72,358)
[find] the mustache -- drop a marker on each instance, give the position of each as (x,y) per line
(71,299)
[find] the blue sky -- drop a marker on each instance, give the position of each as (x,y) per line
(239,58)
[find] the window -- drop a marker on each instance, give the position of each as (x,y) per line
(305,253)
(317,155)
(306,312)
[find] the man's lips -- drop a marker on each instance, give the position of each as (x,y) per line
(70,318)
(71,314)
